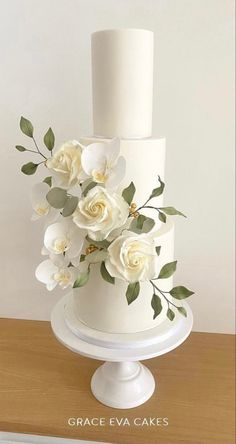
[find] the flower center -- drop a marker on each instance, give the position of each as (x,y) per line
(41,210)
(61,245)
(62,277)
(99,176)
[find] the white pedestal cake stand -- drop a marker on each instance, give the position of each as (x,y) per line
(121,382)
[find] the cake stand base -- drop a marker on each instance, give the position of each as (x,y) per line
(122,382)
(122,385)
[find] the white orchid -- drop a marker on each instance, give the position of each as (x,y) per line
(100,212)
(41,207)
(101,161)
(64,238)
(65,164)
(56,272)
(132,257)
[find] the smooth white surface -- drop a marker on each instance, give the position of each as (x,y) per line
(85,348)
(45,75)
(14,438)
(121,382)
(122,385)
(116,340)
(103,306)
(122,77)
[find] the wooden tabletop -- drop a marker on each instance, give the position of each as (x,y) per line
(42,385)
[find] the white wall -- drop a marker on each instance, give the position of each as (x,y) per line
(45,76)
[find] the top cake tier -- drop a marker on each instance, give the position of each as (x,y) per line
(122,76)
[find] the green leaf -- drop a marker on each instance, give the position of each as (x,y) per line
(48,181)
(89,187)
(26,127)
(70,206)
(105,274)
(156,305)
(29,168)
(148,225)
(167,270)
(158,250)
(57,197)
(162,217)
(128,193)
(181,292)
(100,244)
(170,314)
(158,191)
(142,224)
(132,292)
(20,148)
(140,221)
(182,311)
(82,257)
(81,280)
(49,139)
(171,211)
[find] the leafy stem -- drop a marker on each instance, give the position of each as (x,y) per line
(155,288)
(38,150)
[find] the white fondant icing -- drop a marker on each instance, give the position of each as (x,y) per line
(122,75)
(103,306)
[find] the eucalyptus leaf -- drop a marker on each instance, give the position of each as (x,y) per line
(29,168)
(181,292)
(142,224)
(171,211)
(57,197)
(49,139)
(105,274)
(81,280)
(162,217)
(167,270)
(148,225)
(26,127)
(157,191)
(183,311)
(158,250)
(89,187)
(140,221)
(132,292)
(128,193)
(48,181)
(156,305)
(20,148)
(170,314)
(70,206)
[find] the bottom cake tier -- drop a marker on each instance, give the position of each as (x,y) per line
(104,307)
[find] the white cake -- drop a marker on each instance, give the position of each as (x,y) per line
(122,74)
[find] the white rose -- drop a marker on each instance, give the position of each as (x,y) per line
(65,164)
(132,257)
(100,213)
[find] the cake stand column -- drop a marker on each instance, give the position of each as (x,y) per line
(122,385)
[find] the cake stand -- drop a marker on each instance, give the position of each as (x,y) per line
(122,382)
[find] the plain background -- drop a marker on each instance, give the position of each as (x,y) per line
(45,76)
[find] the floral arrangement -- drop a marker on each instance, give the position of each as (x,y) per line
(89,221)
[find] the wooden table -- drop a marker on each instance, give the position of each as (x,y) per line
(42,385)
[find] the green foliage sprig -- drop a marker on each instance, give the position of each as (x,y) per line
(49,141)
